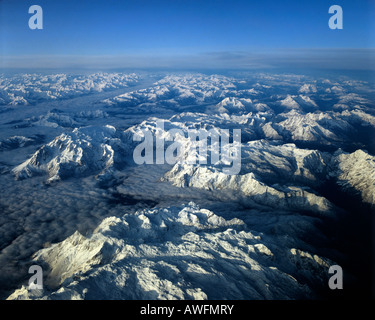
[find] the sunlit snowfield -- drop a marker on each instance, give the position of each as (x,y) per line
(102,227)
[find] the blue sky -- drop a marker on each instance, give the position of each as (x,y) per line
(92,31)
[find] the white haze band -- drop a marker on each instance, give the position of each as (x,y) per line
(206,147)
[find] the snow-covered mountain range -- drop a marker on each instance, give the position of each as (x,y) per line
(84,151)
(171,253)
(25,89)
(187,229)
